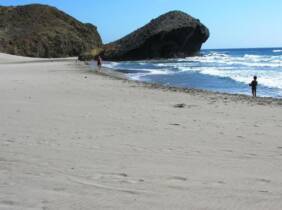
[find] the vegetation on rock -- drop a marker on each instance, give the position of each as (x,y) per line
(43,31)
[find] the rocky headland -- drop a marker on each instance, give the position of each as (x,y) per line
(42,31)
(174,34)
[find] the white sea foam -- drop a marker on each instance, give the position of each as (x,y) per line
(111,65)
(271,79)
(277,51)
(240,68)
(137,76)
(246,60)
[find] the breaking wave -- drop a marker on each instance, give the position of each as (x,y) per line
(236,65)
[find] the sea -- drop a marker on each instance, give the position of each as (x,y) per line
(218,70)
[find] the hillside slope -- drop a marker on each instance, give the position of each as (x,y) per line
(42,31)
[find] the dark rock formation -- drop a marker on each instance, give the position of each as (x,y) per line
(174,34)
(44,31)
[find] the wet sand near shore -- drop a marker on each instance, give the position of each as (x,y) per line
(74,139)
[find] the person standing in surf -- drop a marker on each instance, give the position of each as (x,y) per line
(99,63)
(254,85)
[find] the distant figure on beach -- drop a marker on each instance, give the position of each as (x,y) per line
(254,85)
(99,63)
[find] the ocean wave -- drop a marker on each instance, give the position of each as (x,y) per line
(271,79)
(246,60)
(277,51)
(139,75)
(111,65)
(240,68)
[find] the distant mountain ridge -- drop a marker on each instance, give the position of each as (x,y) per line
(43,31)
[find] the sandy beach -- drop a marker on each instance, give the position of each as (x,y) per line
(74,139)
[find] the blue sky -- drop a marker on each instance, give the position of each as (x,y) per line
(232,23)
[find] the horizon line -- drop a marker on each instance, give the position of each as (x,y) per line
(237,48)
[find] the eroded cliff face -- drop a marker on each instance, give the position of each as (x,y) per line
(174,34)
(43,31)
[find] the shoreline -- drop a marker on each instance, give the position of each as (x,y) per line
(234,97)
(225,71)
(122,76)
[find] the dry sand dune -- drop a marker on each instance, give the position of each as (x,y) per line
(73,139)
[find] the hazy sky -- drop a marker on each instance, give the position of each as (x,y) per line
(232,23)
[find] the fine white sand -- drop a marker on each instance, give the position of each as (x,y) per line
(74,139)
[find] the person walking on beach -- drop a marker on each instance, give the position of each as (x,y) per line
(254,85)
(99,63)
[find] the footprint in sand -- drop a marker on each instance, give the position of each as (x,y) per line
(228,150)
(175,124)
(263,180)
(177,178)
(121,174)
(7,203)
(109,187)
(179,106)
(10,141)
(120,177)
(221,182)
(177,183)
(251,154)
(263,191)
(59,189)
